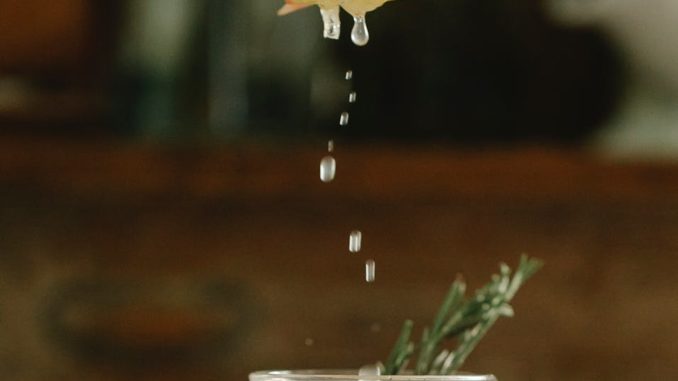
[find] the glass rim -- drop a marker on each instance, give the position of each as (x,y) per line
(352,375)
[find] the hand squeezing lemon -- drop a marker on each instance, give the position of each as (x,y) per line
(329,10)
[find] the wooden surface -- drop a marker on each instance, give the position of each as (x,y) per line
(133,262)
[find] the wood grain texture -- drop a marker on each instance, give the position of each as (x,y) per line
(124,262)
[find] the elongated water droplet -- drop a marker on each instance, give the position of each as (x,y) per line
(331,22)
(370,270)
(352,97)
(360,35)
(328,169)
(330,146)
(349,75)
(355,241)
(343,120)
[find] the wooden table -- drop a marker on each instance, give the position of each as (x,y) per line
(125,261)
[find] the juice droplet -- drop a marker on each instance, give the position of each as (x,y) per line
(349,75)
(343,120)
(328,169)
(331,22)
(352,97)
(370,270)
(355,241)
(360,35)
(309,342)
(330,146)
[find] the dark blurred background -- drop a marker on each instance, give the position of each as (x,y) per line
(161,216)
(460,72)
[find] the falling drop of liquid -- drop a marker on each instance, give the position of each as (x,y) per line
(331,22)
(352,97)
(328,169)
(355,241)
(330,146)
(349,75)
(360,35)
(309,342)
(343,120)
(370,270)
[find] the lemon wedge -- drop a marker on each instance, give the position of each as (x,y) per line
(329,10)
(357,8)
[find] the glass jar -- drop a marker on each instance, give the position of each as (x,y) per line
(352,375)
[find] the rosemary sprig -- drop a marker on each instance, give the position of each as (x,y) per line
(401,351)
(466,320)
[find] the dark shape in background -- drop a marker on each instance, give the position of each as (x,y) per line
(466,72)
(477,72)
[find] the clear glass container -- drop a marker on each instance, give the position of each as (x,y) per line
(352,375)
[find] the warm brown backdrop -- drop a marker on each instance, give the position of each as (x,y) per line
(133,262)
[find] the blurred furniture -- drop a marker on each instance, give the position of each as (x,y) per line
(44,35)
(52,55)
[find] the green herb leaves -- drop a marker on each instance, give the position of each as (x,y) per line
(466,320)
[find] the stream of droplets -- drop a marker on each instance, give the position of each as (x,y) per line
(328,167)
(360,36)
